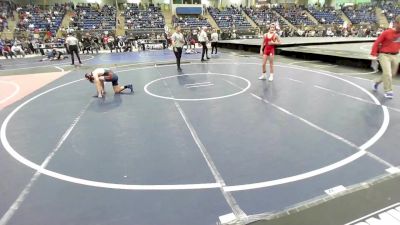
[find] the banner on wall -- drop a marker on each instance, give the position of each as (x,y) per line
(262,2)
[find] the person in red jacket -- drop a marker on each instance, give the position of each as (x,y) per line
(386,49)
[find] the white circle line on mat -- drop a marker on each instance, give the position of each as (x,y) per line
(146,87)
(345,161)
(14,93)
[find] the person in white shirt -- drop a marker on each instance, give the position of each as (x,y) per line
(178,41)
(214,41)
(101,75)
(72,45)
(17,50)
(70,30)
(203,39)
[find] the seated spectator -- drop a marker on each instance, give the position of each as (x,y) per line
(230,18)
(391,9)
(7,52)
(88,17)
(361,14)
(329,33)
(17,50)
(128,45)
(143,19)
(6,12)
(264,16)
(32,18)
(1,47)
(326,15)
(190,22)
(295,15)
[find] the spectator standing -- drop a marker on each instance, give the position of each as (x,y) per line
(86,44)
(105,41)
(116,44)
(177,43)
(214,41)
(111,43)
(203,39)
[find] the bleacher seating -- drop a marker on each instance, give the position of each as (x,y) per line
(33,18)
(362,14)
(295,15)
(5,13)
(190,22)
(3,16)
(149,18)
(326,15)
(231,17)
(263,16)
(146,20)
(88,17)
(391,10)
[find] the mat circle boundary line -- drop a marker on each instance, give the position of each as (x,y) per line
(345,161)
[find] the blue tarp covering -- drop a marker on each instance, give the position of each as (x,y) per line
(188,10)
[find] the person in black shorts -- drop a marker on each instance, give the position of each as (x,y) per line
(101,75)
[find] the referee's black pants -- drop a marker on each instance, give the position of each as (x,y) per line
(205,50)
(214,45)
(178,55)
(72,49)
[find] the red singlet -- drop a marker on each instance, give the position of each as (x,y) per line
(269,49)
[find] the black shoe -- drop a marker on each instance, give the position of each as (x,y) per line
(179,69)
(203,60)
(208,57)
(130,87)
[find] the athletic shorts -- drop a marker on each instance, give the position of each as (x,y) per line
(114,77)
(114,80)
(269,51)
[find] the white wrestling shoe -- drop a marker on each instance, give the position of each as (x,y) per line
(271,77)
(263,77)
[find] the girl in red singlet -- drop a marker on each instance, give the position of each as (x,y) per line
(267,50)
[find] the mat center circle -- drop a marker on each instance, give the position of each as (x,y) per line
(197,86)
